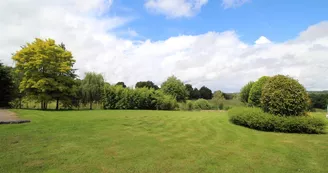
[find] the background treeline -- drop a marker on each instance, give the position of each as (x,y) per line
(44,75)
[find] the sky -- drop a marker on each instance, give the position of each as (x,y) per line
(222,44)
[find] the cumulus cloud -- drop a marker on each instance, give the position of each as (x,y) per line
(233,3)
(262,40)
(175,8)
(217,60)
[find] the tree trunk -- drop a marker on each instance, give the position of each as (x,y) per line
(42,104)
(57,104)
(90,105)
(20,103)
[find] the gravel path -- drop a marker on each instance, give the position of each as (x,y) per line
(7,117)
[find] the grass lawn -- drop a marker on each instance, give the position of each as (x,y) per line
(153,141)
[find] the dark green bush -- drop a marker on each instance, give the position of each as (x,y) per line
(255,118)
(254,98)
(283,95)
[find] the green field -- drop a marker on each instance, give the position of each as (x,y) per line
(153,141)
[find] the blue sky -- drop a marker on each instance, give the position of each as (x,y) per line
(278,20)
(222,44)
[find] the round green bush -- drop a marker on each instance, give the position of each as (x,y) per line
(283,95)
(202,104)
(255,118)
(244,92)
(255,93)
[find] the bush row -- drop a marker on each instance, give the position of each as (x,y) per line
(201,104)
(255,118)
(117,97)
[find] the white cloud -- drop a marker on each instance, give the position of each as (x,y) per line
(218,60)
(262,40)
(175,8)
(233,3)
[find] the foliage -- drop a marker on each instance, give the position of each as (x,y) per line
(117,97)
(205,93)
(175,87)
(46,68)
(319,100)
(195,94)
(92,88)
(121,84)
(218,98)
(244,92)
(202,104)
(254,98)
(255,118)
(283,95)
(7,86)
(146,84)
(189,90)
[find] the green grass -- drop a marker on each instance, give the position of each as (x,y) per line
(153,141)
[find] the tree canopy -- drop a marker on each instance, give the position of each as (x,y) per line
(205,93)
(47,70)
(6,85)
(92,88)
(175,87)
(121,84)
(146,84)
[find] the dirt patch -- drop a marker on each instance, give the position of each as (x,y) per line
(7,117)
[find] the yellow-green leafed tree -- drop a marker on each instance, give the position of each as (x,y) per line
(47,70)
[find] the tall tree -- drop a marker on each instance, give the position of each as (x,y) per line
(92,87)
(121,84)
(175,87)
(6,86)
(47,70)
(218,97)
(189,90)
(146,84)
(195,94)
(205,93)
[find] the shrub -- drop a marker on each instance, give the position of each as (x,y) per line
(282,95)
(254,98)
(221,106)
(202,104)
(244,92)
(118,97)
(255,118)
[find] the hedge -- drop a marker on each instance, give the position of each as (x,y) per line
(255,118)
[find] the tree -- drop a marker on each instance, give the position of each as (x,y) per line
(254,98)
(146,84)
(92,88)
(244,92)
(283,95)
(175,87)
(189,90)
(47,70)
(121,84)
(319,100)
(218,97)
(195,94)
(6,85)
(205,93)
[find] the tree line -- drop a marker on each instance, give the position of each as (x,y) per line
(44,73)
